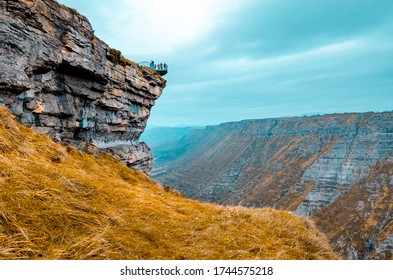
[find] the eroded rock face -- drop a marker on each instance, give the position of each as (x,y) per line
(57,77)
(337,169)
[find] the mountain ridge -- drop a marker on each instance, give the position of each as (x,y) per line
(298,164)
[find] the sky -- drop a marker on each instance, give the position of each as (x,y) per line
(253,59)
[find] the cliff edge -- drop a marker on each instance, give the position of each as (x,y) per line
(59,78)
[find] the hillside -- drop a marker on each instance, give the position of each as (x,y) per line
(59,203)
(338,169)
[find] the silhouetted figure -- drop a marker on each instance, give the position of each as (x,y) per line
(152,64)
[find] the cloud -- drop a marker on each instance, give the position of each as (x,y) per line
(163,26)
(347,76)
(232,60)
(276,27)
(156,28)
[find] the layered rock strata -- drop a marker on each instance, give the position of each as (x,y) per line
(58,77)
(337,169)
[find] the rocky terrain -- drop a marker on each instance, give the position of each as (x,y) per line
(338,169)
(58,77)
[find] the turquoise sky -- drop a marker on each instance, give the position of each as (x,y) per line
(244,59)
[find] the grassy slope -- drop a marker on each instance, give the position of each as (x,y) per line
(59,203)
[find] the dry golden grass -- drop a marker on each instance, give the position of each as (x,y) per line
(59,203)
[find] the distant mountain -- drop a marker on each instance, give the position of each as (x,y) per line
(338,169)
(162,137)
(163,142)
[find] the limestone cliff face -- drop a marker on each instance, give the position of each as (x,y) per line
(337,169)
(56,76)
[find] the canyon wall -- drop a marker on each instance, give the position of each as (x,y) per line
(58,77)
(338,169)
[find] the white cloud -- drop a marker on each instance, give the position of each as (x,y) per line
(250,64)
(157,26)
(247,59)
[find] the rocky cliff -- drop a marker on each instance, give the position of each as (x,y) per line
(337,169)
(58,77)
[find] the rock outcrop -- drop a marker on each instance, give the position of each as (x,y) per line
(58,77)
(337,169)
